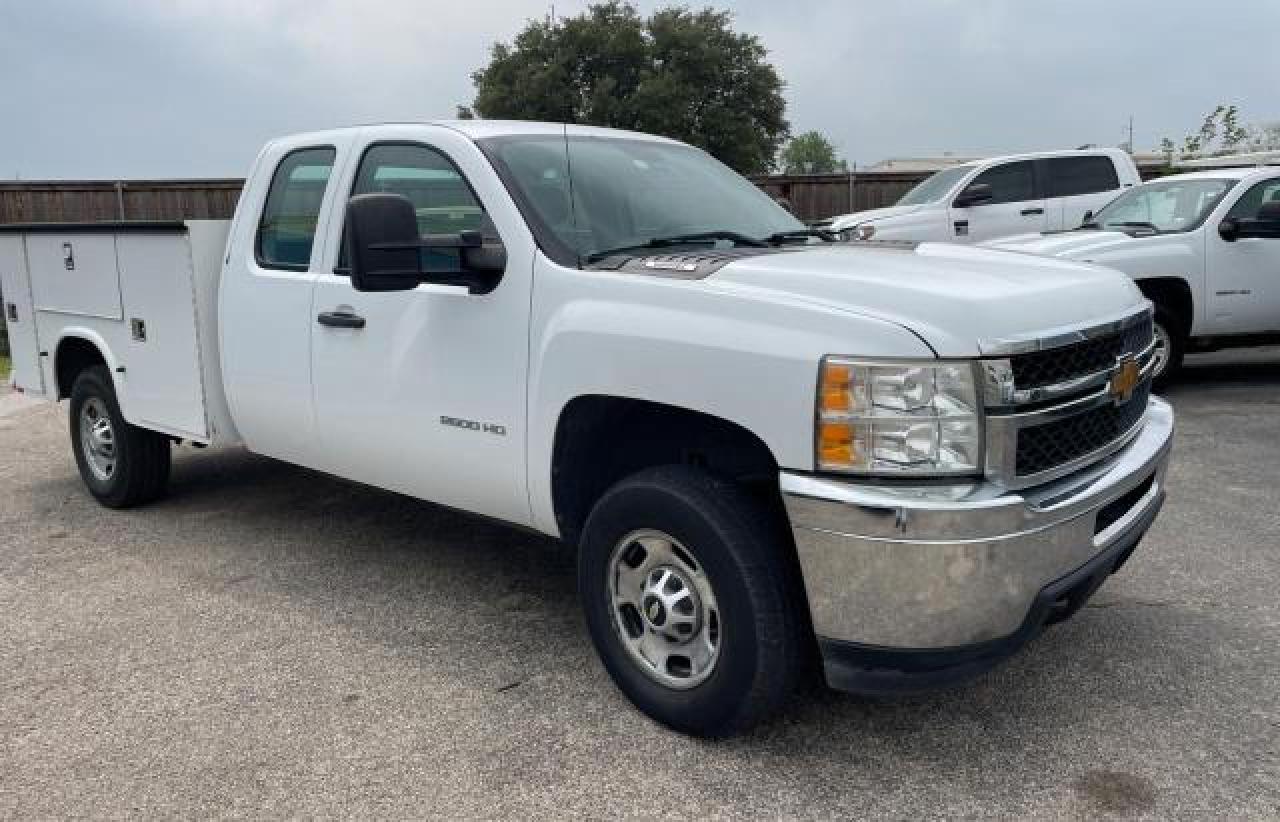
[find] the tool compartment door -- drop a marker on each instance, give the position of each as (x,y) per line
(75,273)
(19,315)
(159,346)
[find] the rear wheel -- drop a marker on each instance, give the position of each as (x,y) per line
(122,465)
(1170,344)
(691,601)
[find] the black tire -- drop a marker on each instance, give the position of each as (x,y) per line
(141,458)
(750,563)
(1175,329)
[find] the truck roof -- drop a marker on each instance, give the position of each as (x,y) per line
(480,129)
(1234,173)
(1040,155)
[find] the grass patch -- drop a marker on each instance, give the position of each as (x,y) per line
(4,367)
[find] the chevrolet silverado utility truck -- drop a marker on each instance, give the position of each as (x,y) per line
(765,445)
(1205,249)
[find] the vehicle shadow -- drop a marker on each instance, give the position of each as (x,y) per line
(1254,368)
(516,593)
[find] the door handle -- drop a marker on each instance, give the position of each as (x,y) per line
(340,319)
(1027,212)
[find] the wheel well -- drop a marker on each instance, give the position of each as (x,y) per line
(74,355)
(599,440)
(1173,295)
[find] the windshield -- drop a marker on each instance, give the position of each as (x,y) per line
(935,187)
(1169,205)
(590,194)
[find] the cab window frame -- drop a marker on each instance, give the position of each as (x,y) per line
(1052,178)
(272,265)
(1037,187)
(341,267)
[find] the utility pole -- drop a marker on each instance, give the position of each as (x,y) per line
(1131,149)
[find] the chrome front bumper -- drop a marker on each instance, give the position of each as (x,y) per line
(930,568)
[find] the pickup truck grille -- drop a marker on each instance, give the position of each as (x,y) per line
(1045,447)
(1059,404)
(1040,368)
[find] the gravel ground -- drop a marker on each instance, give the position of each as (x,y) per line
(273,642)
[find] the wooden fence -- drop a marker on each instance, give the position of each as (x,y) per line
(93,201)
(811,196)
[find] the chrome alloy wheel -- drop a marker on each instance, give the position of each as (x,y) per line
(98,438)
(664,609)
(1161,351)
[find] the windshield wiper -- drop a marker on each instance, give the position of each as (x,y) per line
(780,237)
(1138,224)
(680,239)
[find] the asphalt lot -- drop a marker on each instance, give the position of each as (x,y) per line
(269,641)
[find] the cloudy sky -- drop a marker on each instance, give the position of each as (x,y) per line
(173,88)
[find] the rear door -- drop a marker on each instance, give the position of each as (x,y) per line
(1016,206)
(265,299)
(1243,276)
(19,315)
(1076,185)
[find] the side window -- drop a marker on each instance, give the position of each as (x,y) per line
(1069,176)
(1010,182)
(441,196)
(1247,206)
(287,229)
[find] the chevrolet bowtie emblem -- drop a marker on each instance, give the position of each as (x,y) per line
(1124,379)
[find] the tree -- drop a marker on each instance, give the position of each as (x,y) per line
(677,73)
(810,153)
(1224,122)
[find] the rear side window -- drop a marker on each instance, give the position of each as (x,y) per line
(288,226)
(1069,176)
(1010,182)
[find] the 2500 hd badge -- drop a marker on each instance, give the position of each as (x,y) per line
(474,425)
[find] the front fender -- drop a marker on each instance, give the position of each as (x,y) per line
(743,358)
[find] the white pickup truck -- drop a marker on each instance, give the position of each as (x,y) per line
(997,197)
(764,444)
(1204,247)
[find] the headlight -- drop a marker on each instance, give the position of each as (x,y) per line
(865,231)
(898,418)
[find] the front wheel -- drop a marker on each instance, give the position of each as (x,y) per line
(690,599)
(122,465)
(1170,344)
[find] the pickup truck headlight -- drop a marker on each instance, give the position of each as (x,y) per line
(898,418)
(860,232)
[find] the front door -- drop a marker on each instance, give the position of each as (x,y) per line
(1244,275)
(427,396)
(1015,206)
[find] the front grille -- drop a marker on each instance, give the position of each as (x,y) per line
(1044,447)
(1040,368)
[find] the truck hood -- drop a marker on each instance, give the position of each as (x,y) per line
(859,217)
(1069,245)
(951,296)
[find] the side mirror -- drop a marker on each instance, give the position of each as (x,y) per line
(974,194)
(382,242)
(1266,224)
(387,253)
(1229,230)
(1088,215)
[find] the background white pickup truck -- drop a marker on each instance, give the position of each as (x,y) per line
(758,440)
(1204,247)
(997,197)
